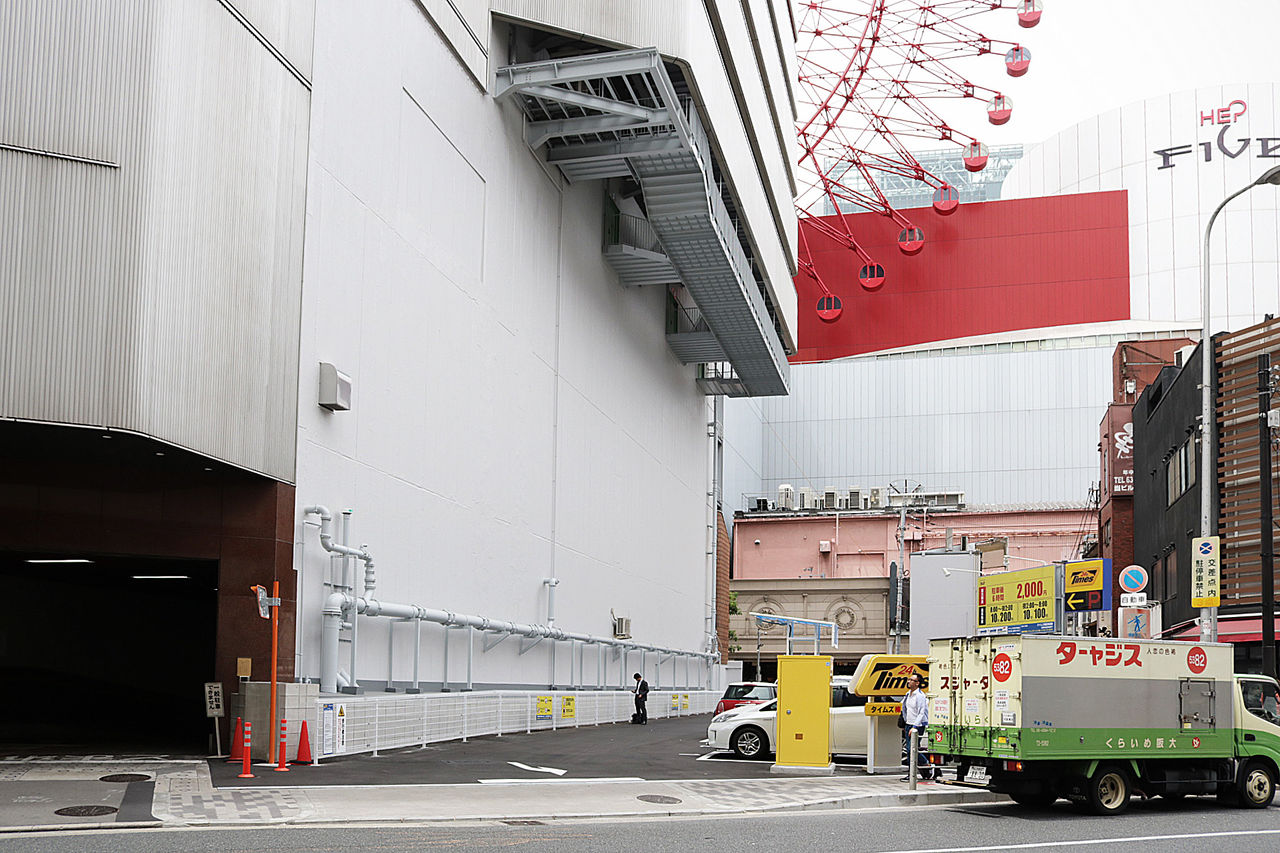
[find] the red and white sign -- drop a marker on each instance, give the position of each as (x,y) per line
(1002,667)
(1197,660)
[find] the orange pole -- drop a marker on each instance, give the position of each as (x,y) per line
(245,772)
(275,635)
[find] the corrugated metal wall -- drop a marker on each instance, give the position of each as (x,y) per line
(1005,427)
(156,289)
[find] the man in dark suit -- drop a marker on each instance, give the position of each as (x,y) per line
(642,696)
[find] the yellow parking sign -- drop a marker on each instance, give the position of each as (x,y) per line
(1205,575)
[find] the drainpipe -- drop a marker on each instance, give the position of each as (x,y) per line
(715,409)
(348,583)
(551,584)
(340,606)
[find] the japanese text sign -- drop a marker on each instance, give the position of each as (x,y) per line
(1017,602)
(1205,564)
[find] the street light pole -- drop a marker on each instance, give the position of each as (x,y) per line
(1208,447)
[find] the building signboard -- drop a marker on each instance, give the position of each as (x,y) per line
(1017,602)
(1086,585)
(1117,446)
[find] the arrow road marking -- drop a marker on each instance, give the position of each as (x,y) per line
(552,770)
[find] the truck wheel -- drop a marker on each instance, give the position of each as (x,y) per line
(749,742)
(1257,786)
(1038,800)
(1107,791)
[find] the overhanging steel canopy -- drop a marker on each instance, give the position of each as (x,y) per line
(618,114)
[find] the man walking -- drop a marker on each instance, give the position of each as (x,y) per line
(642,696)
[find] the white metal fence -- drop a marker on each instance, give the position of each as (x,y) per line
(358,724)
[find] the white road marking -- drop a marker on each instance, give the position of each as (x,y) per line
(559,781)
(1087,841)
(553,770)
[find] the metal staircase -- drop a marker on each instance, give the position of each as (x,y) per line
(618,114)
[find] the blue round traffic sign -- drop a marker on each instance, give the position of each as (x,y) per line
(1133,579)
(1206,548)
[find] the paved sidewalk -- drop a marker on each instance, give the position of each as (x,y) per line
(182,793)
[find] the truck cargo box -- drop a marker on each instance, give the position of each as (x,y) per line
(1038,697)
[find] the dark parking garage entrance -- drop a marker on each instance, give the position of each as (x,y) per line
(106,654)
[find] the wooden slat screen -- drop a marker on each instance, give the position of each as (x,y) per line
(1240,499)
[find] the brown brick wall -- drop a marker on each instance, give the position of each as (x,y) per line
(71,491)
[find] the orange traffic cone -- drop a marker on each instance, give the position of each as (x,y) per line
(237,747)
(304,746)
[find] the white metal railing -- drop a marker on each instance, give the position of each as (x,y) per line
(351,725)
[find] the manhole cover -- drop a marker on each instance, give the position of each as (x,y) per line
(659,798)
(524,823)
(125,777)
(85,811)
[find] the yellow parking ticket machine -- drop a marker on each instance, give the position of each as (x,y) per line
(804,714)
(882,679)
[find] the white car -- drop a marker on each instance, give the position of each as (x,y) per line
(751,732)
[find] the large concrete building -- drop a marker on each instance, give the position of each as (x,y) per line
(475,271)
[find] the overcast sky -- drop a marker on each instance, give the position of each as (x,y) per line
(1089,56)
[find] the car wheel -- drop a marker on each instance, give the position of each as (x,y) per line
(750,742)
(1107,791)
(1257,786)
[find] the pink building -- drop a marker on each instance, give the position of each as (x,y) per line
(833,566)
(831,544)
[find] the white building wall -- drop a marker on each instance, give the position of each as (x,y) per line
(1002,423)
(516,413)
(152,172)
(1169,208)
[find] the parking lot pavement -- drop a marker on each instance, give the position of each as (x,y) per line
(591,772)
(663,749)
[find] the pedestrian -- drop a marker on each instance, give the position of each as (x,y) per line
(915,714)
(642,696)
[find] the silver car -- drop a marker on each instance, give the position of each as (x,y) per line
(751,731)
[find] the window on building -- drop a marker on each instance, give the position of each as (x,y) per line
(1180,472)
(1106,533)
(1170,575)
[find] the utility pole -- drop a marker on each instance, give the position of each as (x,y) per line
(1265,540)
(902,565)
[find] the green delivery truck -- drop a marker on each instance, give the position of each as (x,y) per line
(1096,720)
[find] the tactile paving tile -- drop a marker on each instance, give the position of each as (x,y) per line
(214,806)
(12,774)
(762,793)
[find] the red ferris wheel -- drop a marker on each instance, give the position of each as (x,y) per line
(871,76)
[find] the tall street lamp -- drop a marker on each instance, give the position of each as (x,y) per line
(1208,448)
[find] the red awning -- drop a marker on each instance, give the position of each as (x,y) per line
(1230,630)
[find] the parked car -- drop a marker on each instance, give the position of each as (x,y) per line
(746,693)
(752,732)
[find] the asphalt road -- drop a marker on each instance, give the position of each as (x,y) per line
(1193,826)
(664,749)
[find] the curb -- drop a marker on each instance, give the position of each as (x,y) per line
(853,802)
(61,827)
